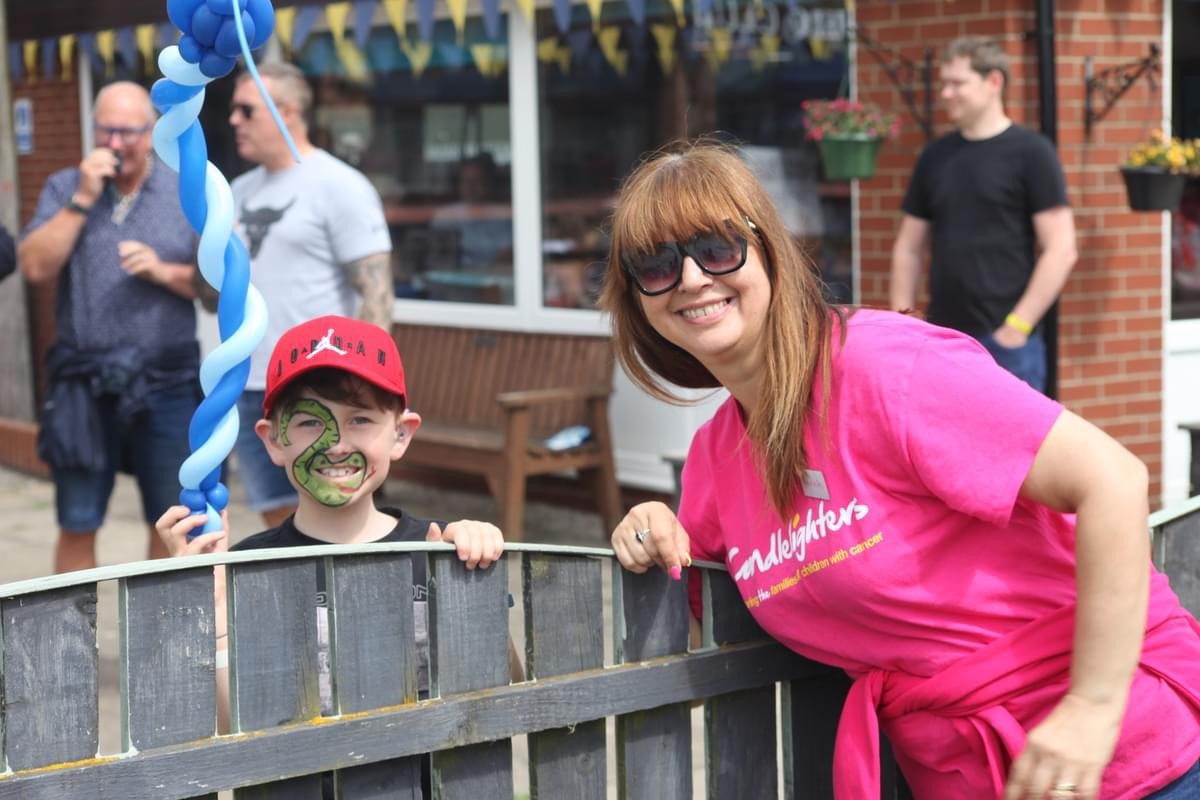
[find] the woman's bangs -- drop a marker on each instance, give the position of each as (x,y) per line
(674,205)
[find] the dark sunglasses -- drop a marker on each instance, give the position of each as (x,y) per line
(661,270)
(245,109)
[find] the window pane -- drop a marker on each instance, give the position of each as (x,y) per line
(428,125)
(610,95)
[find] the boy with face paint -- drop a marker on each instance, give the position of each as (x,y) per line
(335,418)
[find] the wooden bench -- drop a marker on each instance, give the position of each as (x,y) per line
(488,400)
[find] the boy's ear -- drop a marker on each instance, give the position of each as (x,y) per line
(269,434)
(407,423)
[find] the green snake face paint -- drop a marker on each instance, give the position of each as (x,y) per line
(327,489)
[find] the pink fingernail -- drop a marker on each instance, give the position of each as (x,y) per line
(676,573)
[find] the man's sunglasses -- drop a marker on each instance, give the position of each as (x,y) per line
(661,270)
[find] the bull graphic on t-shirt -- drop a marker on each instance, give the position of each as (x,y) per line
(257,221)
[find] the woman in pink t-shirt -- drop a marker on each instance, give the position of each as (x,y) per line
(971,553)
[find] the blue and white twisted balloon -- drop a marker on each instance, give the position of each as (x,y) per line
(212,37)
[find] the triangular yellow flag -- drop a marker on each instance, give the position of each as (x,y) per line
(550,52)
(285,23)
(594,10)
(720,41)
(610,38)
(145,43)
(31,60)
(489,59)
(458,14)
(770,45)
(418,55)
(664,37)
(397,14)
(526,7)
(336,13)
(678,6)
(819,47)
(66,52)
(106,46)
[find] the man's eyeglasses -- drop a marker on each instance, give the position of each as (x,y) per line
(245,109)
(105,133)
(660,271)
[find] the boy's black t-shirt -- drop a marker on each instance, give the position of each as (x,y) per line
(979,197)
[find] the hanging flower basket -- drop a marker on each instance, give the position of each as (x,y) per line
(846,158)
(1153,188)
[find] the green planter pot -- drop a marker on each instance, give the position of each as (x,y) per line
(1153,188)
(846,158)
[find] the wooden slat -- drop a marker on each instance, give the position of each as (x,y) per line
(168,672)
(739,735)
(1180,549)
(564,633)
(273,643)
(811,710)
(730,620)
(50,677)
(181,771)
(469,651)
(374,659)
(654,751)
(307,787)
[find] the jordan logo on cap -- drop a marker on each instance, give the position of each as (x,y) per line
(326,344)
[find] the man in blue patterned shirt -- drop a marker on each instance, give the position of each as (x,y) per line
(123,371)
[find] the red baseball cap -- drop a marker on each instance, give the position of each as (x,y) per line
(360,348)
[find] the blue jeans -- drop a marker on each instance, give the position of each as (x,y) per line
(152,448)
(267,486)
(1027,362)
(1185,787)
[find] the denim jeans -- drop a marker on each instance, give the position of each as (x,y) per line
(1027,362)
(267,486)
(1185,787)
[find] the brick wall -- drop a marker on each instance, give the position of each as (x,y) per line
(57,140)
(1111,312)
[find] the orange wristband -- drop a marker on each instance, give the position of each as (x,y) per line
(1013,321)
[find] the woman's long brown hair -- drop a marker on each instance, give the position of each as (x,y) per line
(704,185)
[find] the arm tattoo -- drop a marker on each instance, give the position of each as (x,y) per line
(372,277)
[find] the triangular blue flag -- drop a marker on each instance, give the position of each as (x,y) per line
(306,17)
(425,20)
(127,47)
(562,15)
(168,35)
(87,46)
(16,61)
(491,18)
(637,10)
(702,9)
(579,43)
(364,12)
(50,57)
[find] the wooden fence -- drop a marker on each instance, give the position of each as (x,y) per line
(375,742)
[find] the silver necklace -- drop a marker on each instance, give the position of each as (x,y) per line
(125,202)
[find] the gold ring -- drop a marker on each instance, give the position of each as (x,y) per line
(1065,789)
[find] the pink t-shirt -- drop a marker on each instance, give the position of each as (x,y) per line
(908,547)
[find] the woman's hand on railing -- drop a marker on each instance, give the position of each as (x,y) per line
(478,543)
(651,534)
(175,524)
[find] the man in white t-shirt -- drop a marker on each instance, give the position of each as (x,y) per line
(319,244)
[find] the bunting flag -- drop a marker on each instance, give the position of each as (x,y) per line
(418,55)
(350,56)
(66,53)
(458,15)
(397,14)
(678,6)
(491,18)
(106,44)
(594,11)
(770,46)
(720,42)
(819,48)
(49,58)
(562,15)
(526,7)
(364,15)
(302,26)
(127,47)
(552,51)
(30,49)
(489,59)
(637,12)
(425,20)
(285,21)
(147,36)
(87,47)
(16,62)
(168,34)
(609,38)
(664,39)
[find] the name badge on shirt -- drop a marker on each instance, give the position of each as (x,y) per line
(813,484)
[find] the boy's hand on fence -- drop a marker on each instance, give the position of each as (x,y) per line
(651,534)
(478,543)
(178,521)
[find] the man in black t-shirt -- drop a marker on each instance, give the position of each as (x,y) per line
(989,201)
